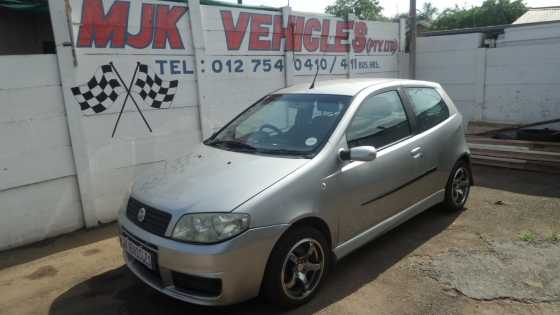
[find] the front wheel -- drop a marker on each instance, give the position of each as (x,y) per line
(296,268)
(458,187)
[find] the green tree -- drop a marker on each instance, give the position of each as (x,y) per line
(491,12)
(428,12)
(363,9)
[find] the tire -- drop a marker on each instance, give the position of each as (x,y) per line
(282,284)
(459,180)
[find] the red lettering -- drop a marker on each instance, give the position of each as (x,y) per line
(259,30)
(278,32)
(234,32)
(100,29)
(311,43)
(144,37)
(360,32)
(342,34)
(166,27)
(295,33)
(325,34)
(292,34)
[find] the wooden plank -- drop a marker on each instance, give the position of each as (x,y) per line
(517,155)
(513,164)
(513,149)
(496,159)
(479,139)
(514,128)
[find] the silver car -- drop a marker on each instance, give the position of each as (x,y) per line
(294,183)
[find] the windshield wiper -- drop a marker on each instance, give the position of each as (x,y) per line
(286,152)
(231,144)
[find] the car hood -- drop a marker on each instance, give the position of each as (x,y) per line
(211,180)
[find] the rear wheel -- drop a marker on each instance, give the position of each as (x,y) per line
(297,267)
(458,187)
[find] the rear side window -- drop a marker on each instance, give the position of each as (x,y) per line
(380,120)
(428,106)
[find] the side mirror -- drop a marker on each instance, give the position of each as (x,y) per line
(364,154)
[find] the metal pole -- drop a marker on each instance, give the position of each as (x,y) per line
(412,46)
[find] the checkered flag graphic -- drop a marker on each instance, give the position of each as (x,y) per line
(100,92)
(155,92)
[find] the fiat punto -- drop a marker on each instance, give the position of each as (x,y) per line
(295,182)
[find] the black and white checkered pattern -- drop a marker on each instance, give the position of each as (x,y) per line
(155,92)
(100,92)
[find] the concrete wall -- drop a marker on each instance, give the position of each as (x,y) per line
(458,63)
(38,190)
(61,168)
(522,83)
(513,83)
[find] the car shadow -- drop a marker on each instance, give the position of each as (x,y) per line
(517,181)
(119,292)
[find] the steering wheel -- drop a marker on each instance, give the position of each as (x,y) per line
(275,130)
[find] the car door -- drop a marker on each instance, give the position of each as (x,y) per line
(430,113)
(370,191)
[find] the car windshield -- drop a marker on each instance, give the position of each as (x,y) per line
(283,124)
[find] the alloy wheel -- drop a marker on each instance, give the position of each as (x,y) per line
(460,186)
(303,268)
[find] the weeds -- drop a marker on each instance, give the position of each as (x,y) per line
(554,238)
(527,236)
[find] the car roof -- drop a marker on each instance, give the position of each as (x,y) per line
(349,87)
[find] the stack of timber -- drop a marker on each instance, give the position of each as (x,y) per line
(537,156)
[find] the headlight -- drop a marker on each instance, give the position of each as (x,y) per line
(210,227)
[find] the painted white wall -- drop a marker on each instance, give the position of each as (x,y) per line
(454,62)
(548,33)
(522,83)
(513,83)
(39,196)
(60,169)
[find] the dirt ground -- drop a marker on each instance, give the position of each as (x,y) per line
(471,262)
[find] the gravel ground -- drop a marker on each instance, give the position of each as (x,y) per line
(471,262)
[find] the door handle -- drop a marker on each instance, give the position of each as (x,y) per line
(416,153)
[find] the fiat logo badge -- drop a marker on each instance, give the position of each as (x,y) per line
(141,214)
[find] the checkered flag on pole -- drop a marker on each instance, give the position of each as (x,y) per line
(100,92)
(155,92)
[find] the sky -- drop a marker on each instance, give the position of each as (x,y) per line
(390,7)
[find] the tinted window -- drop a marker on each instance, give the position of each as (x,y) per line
(379,121)
(429,107)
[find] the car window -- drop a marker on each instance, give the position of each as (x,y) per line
(429,107)
(278,114)
(283,124)
(380,120)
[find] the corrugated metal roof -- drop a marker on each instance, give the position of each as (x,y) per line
(535,15)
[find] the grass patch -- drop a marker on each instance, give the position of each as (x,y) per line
(554,238)
(527,236)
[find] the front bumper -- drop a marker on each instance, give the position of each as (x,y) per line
(238,263)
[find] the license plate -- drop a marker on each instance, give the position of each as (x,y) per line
(139,253)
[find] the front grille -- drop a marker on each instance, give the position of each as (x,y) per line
(195,285)
(155,221)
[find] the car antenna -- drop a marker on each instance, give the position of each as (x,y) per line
(314,78)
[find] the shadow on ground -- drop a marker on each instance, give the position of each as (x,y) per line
(520,182)
(56,244)
(119,292)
